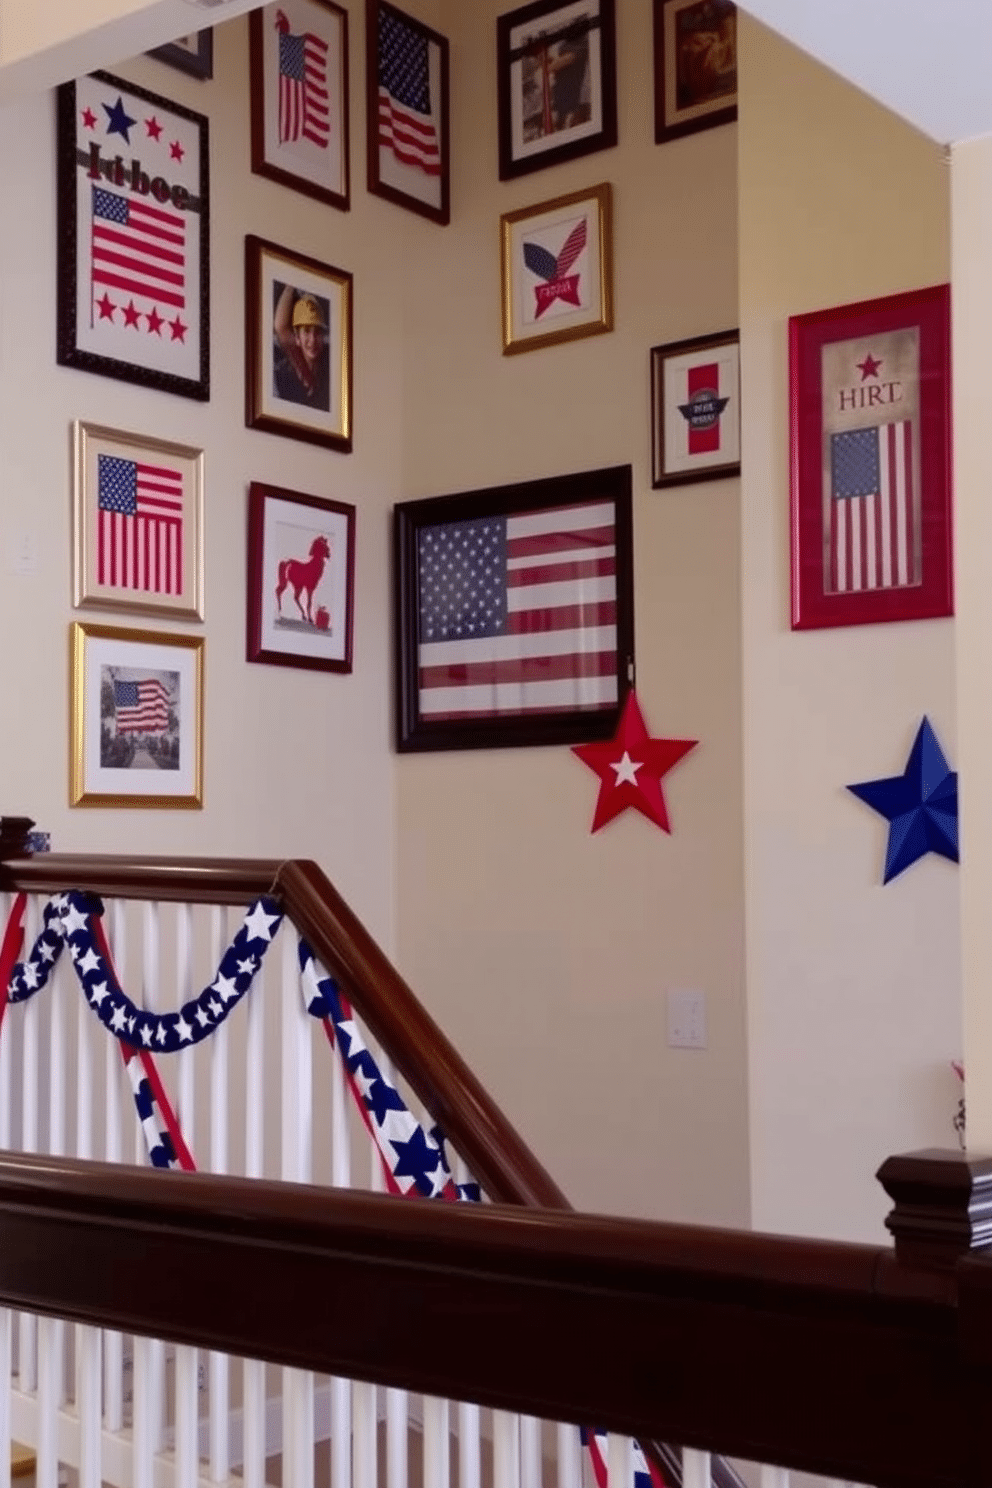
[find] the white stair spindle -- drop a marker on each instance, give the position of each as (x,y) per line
(695,1468)
(506,1450)
(530,1453)
(569,1456)
(397,1444)
(144,1407)
(6,1335)
(27,1325)
(186,1058)
(297,1384)
(365,1468)
(253,1447)
(187,1415)
(151,962)
(113,1342)
(620,1462)
(88,1406)
(469,1444)
(778,1477)
(219,1370)
(341,1433)
(49,1371)
(255,1074)
(437,1452)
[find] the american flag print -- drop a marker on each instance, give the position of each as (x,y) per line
(138,248)
(553,269)
(871,538)
(141,707)
(406,125)
(304,105)
(139,526)
(518,613)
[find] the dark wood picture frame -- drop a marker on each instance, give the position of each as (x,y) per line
(275,398)
(695,66)
(100,200)
(300,138)
(413,169)
(575,57)
(870,461)
(695,410)
(567,660)
(301,557)
(196,60)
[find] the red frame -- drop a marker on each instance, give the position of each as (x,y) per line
(928,311)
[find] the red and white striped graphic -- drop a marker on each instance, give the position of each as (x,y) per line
(872,541)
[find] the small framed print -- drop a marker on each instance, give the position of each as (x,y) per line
(696,409)
(870,447)
(695,66)
(137,532)
(136,718)
(557,80)
(133,236)
(193,54)
(557,268)
(299,97)
(298,332)
(301,574)
(406,109)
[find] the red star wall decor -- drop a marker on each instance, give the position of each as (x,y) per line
(630,767)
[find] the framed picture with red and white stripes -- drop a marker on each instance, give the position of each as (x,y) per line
(137,532)
(515,613)
(696,410)
(406,111)
(298,52)
(870,450)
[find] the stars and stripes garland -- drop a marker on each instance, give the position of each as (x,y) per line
(163,1138)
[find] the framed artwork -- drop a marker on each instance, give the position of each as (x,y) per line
(557,81)
(695,409)
(136,718)
(557,268)
(695,66)
(406,103)
(137,529)
(301,579)
(298,332)
(193,54)
(133,236)
(869,394)
(299,97)
(515,613)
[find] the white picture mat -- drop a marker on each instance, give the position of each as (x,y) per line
(550,229)
(288,529)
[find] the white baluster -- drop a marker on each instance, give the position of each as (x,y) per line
(341,1178)
(49,1372)
(297,1384)
(397,1441)
(695,1468)
(144,1410)
(187,1415)
(569,1456)
(254,1445)
(365,1467)
(506,1450)
(6,1058)
(88,1406)
(530,1453)
(27,1326)
(113,1342)
(220,1379)
(469,1453)
(186,1058)
(778,1477)
(151,963)
(6,1335)
(620,1462)
(437,1451)
(253,1448)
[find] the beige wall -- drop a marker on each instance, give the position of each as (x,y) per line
(853,990)
(546,952)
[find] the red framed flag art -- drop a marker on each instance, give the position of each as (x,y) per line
(870,461)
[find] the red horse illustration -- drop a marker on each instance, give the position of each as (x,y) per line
(303,577)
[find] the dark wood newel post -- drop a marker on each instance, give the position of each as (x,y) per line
(942,1206)
(14,836)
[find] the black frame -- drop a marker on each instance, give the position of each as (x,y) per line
(376,185)
(661,474)
(69,161)
(198,64)
(711,116)
(603,139)
(413,731)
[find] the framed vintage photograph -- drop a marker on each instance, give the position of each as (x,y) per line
(557,83)
(299,97)
(515,613)
(695,410)
(137,523)
(133,236)
(557,269)
(298,336)
(406,110)
(301,579)
(193,54)
(136,717)
(869,394)
(695,66)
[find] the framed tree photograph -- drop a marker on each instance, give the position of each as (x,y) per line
(557,83)
(557,270)
(133,236)
(515,613)
(136,718)
(301,578)
(193,54)
(695,410)
(695,66)
(137,529)
(298,338)
(406,107)
(869,393)
(299,97)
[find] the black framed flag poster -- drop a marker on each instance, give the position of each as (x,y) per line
(133,236)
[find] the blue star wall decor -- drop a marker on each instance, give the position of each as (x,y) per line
(921,805)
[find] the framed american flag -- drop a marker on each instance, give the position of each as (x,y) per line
(406,111)
(299,97)
(133,236)
(515,613)
(871,461)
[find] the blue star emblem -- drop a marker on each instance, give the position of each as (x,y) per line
(920,805)
(119,120)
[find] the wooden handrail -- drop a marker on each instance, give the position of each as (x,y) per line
(812,1354)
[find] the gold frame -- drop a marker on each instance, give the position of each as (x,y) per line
(81,639)
(583,323)
(88,592)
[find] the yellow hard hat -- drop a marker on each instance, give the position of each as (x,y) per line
(306,312)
